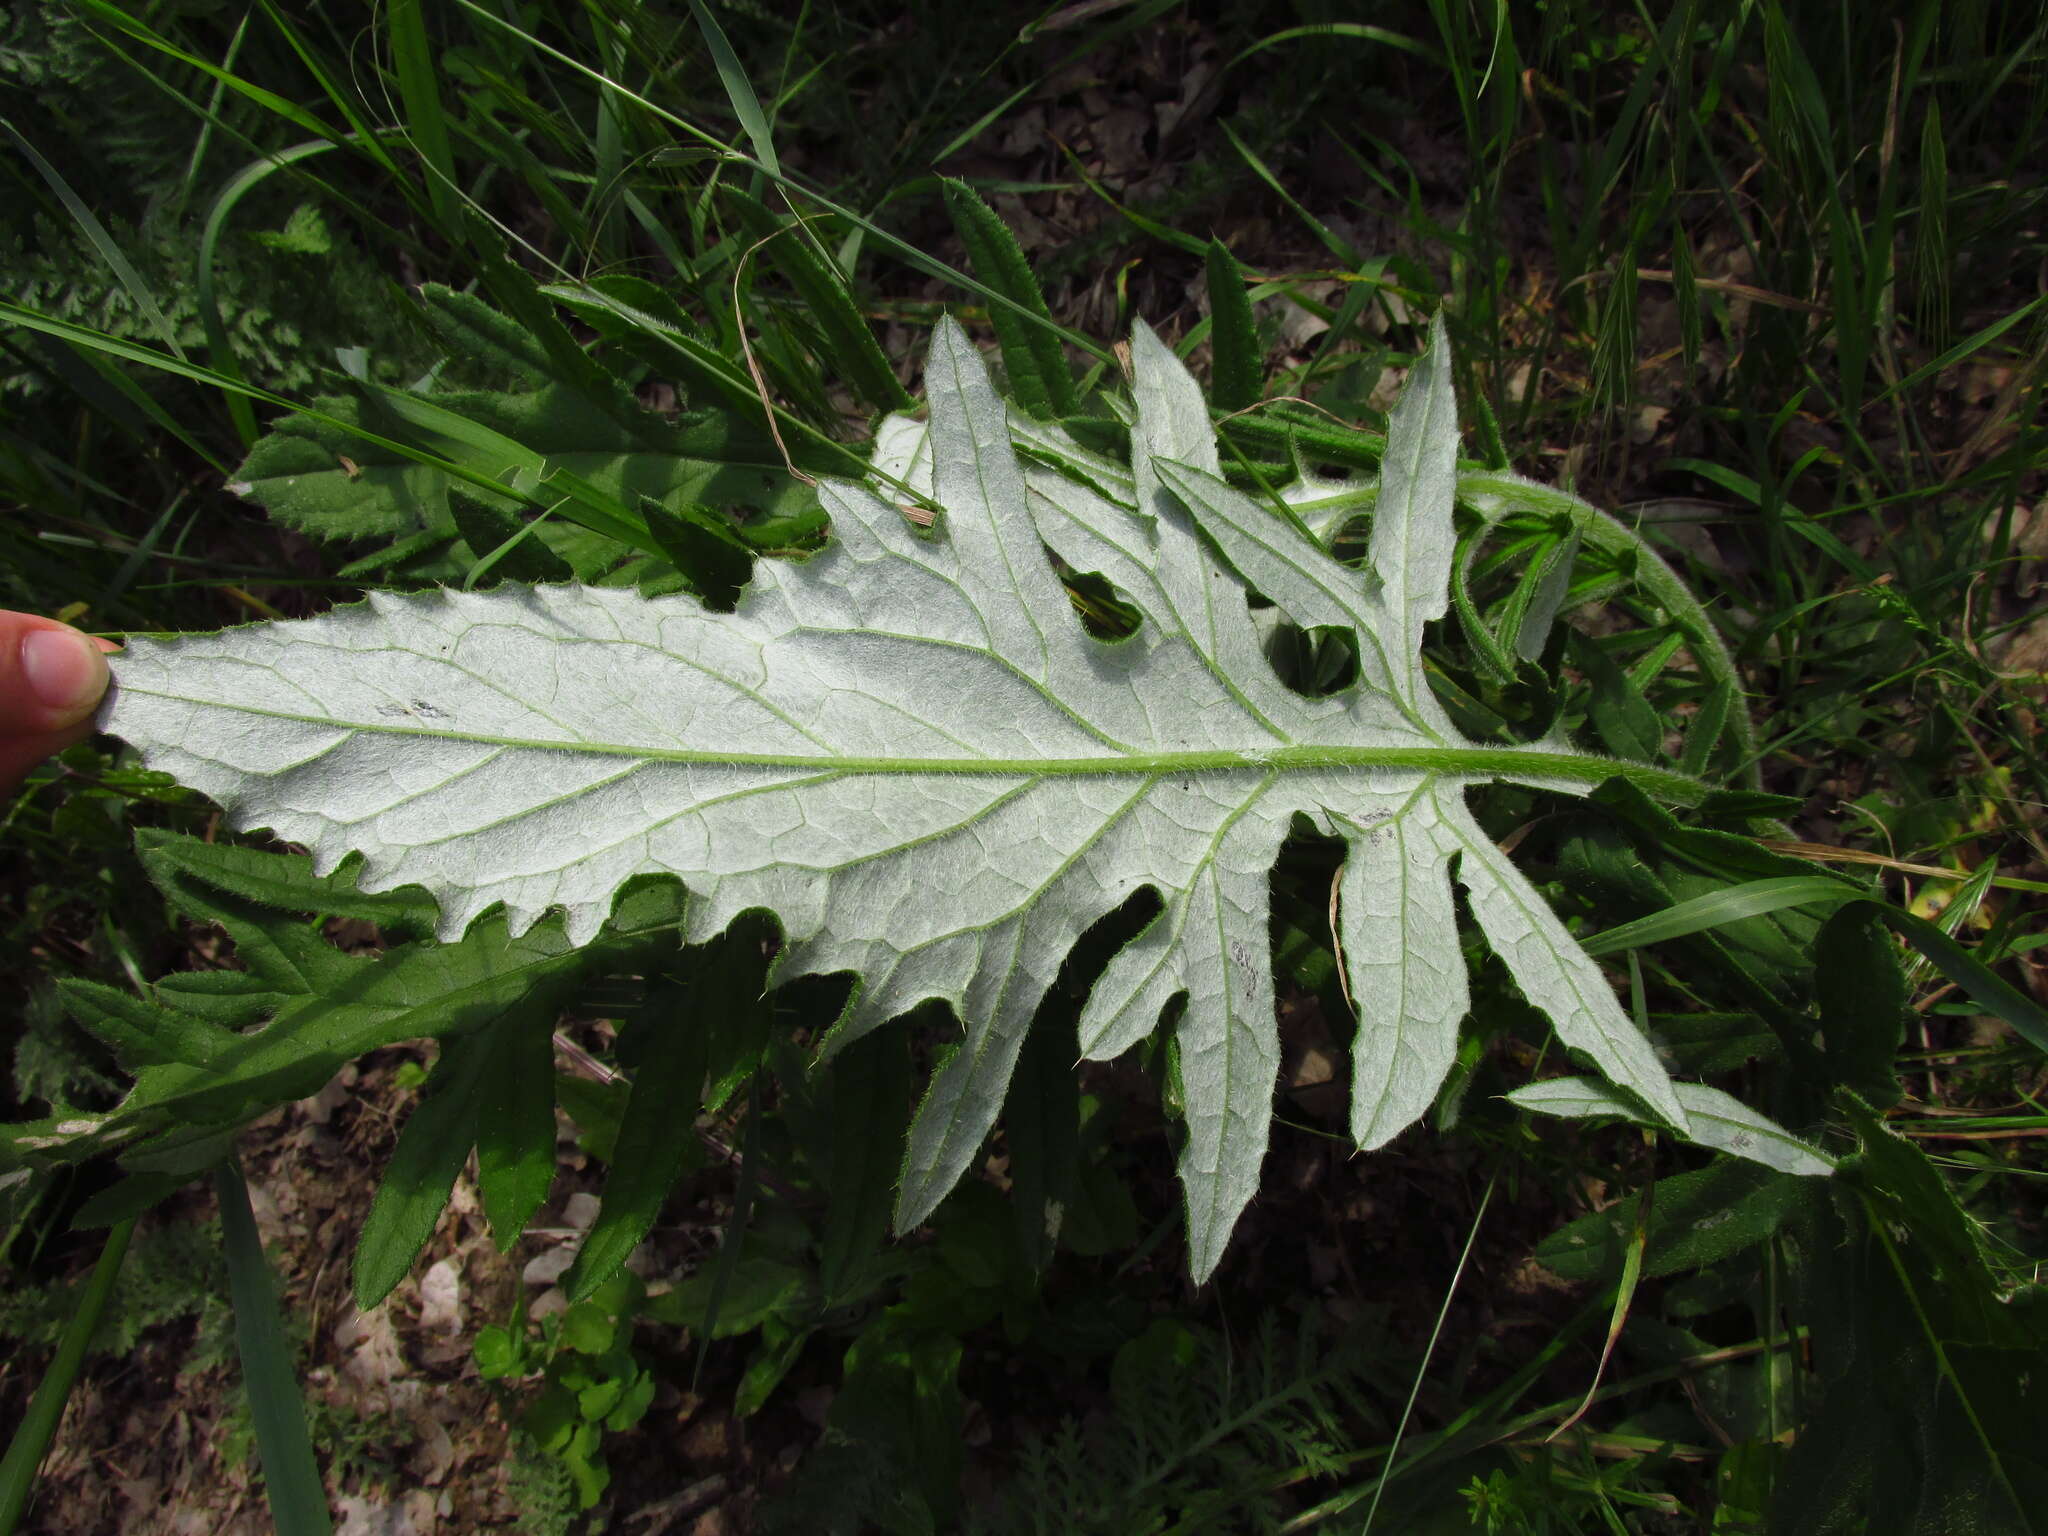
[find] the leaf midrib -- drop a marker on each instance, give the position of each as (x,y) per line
(1459,762)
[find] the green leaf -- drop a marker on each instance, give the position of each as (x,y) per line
(597,1110)
(1621,715)
(910,750)
(730,1003)
(281,883)
(1928,1411)
(497,1351)
(430,1153)
(504,545)
(1985,987)
(487,348)
(1032,354)
(646,323)
(1042,1126)
(657,1132)
(1705,727)
(515,1125)
(780,1348)
(526,451)
(704,548)
(1717,1121)
(633,1403)
(1730,904)
(298,1502)
(760,1286)
(326,1008)
(1696,1219)
(589,1329)
(1861,989)
(849,345)
(864,1098)
(1947,1242)
(1240,368)
(1539,596)
(901,1396)
(139,1032)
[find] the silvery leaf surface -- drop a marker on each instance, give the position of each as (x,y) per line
(909,750)
(1718,1121)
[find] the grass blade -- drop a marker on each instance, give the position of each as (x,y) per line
(1985,987)
(38,1426)
(97,235)
(291,1478)
(739,90)
(852,351)
(218,346)
(1753,898)
(421,94)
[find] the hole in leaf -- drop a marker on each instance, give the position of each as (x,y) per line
(1313,662)
(1106,613)
(1352,540)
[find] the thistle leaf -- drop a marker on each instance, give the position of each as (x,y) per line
(909,749)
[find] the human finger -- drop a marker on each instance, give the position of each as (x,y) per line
(51,680)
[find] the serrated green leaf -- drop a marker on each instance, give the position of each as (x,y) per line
(909,749)
(430,1153)
(491,348)
(504,543)
(1032,354)
(326,1008)
(1240,370)
(515,1135)
(1861,989)
(1532,608)
(277,881)
(139,1032)
(321,478)
(1696,1219)
(703,547)
(1704,729)
(1621,716)
(1929,1406)
(850,346)
(655,1134)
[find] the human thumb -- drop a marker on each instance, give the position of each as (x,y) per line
(51,679)
(51,676)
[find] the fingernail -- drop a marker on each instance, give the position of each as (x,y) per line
(63,670)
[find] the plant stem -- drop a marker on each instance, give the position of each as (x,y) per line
(39,1425)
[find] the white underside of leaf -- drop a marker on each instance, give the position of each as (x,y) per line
(908,749)
(1716,1120)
